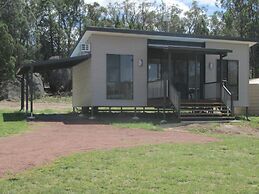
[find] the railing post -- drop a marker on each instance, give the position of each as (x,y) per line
(232,105)
(179,105)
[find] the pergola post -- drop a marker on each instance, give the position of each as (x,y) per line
(22,93)
(31,93)
(27,92)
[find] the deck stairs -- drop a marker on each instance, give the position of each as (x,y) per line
(204,111)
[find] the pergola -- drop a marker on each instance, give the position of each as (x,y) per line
(27,70)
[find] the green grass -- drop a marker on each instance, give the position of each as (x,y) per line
(253,122)
(12,123)
(52,111)
(148,122)
(55,99)
(138,125)
(229,166)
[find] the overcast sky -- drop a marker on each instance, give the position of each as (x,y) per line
(183,4)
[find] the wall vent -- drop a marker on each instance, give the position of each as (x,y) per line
(85,48)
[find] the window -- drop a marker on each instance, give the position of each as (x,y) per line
(119,76)
(229,72)
(154,70)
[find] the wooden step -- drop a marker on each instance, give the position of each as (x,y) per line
(201,105)
(211,118)
(203,109)
(203,114)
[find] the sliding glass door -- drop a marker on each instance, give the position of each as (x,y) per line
(194,73)
(180,77)
(187,75)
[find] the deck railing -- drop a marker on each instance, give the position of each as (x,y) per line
(212,90)
(227,98)
(161,89)
(156,89)
(175,98)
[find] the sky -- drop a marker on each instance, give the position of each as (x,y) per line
(183,4)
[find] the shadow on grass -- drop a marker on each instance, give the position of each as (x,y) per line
(100,118)
(12,117)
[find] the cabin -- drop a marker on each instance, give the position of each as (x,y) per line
(194,77)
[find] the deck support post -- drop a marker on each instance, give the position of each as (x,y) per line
(135,114)
(247,114)
(92,113)
(22,93)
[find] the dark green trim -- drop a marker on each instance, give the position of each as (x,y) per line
(176,43)
(185,49)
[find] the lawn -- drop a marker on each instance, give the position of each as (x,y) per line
(229,166)
(12,123)
(151,122)
(55,99)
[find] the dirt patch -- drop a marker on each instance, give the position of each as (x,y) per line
(55,139)
(237,130)
(219,128)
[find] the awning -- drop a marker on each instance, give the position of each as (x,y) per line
(189,49)
(52,64)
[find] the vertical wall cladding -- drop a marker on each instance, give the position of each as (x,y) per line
(254,99)
(101,45)
(240,53)
(82,87)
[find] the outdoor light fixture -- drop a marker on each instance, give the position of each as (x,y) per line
(211,65)
(140,63)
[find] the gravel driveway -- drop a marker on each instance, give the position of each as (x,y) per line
(51,140)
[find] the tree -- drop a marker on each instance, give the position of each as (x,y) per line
(95,15)
(69,17)
(17,17)
(7,60)
(216,24)
(129,16)
(245,24)
(196,20)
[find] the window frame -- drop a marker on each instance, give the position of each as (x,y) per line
(107,81)
(227,70)
(158,73)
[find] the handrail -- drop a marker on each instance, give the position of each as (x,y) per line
(227,98)
(227,90)
(175,98)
